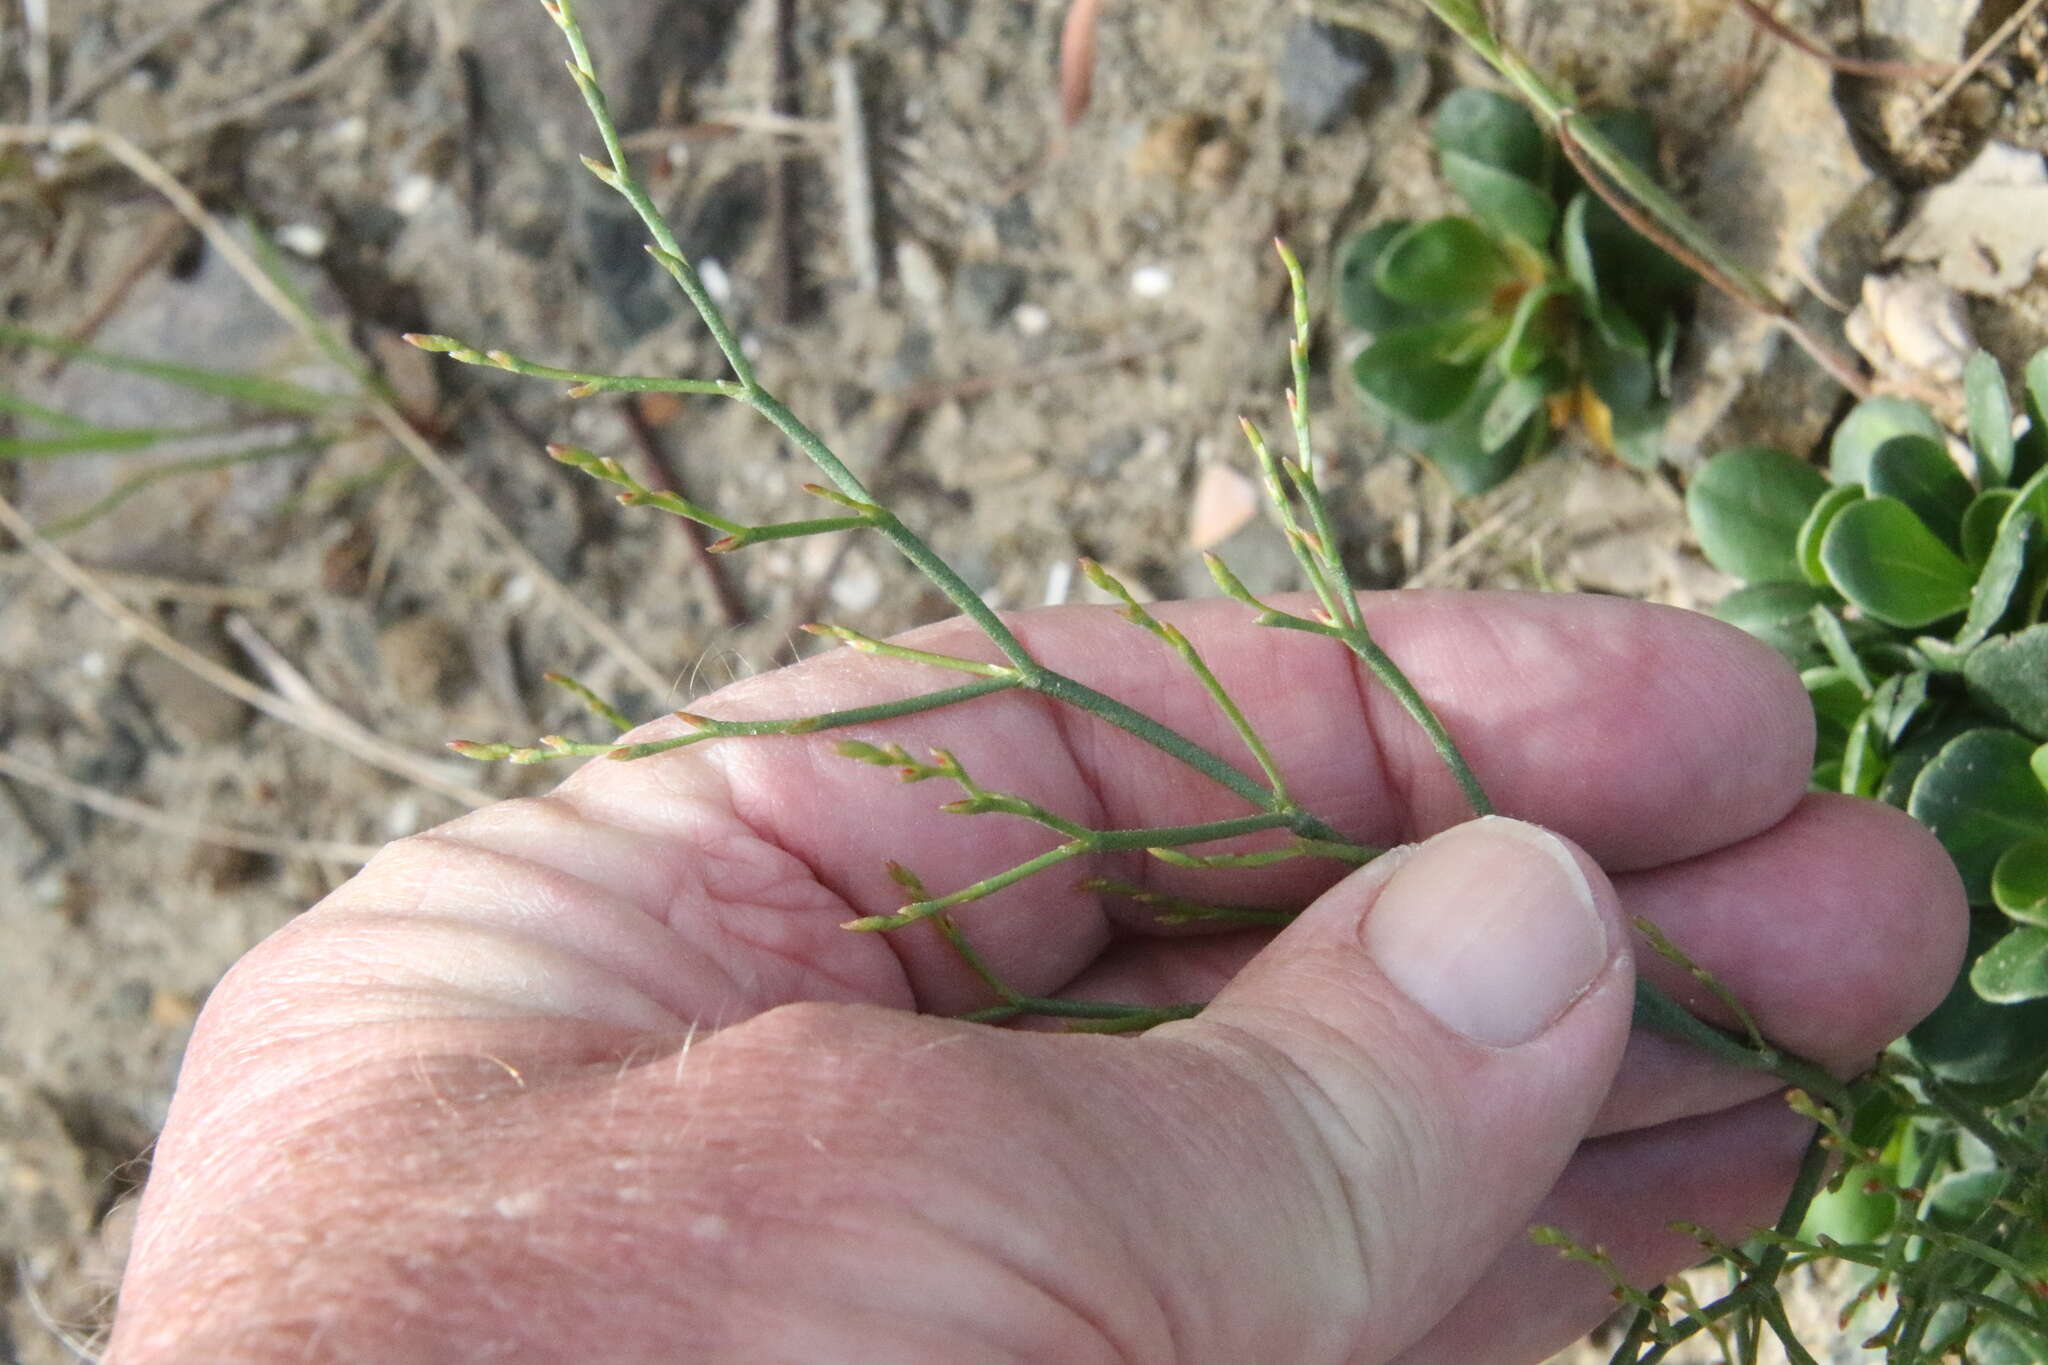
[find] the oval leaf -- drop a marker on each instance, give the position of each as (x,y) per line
(1919,473)
(1359,299)
(1446,263)
(1747,507)
(1806,548)
(1980,798)
(1779,614)
(1869,425)
(1981,522)
(1881,557)
(2019,883)
(1404,370)
(2010,675)
(1990,419)
(2001,574)
(2015,969)
(1504,202)
(1493,130)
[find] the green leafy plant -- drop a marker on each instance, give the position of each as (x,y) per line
(1910,589)
(1494,331)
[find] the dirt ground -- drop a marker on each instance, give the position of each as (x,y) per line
(1033,340)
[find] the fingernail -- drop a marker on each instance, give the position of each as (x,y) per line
(1492,928)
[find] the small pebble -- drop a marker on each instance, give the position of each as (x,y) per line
(924,282)
(1167,151)
(1323,71)
(1225,500)
(1151,282)
(305,239)
(1031,320)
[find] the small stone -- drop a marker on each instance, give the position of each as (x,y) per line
(303,239)
(1912,327)
(426,660)
(1031,320)
(1167,151)
(1151,282)
(857,587)
(1217,165)
(1224,502)
(1323,71)
(985,292)
(923,279)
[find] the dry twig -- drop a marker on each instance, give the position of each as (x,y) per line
(363,745)
(1971,67)
(150,817)
(284,92)
(122,62)
(152,173)
(1876,68)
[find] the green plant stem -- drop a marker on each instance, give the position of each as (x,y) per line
(1087,842)
(1032,673)
(585,385)
(1395,681)
(1656,1010)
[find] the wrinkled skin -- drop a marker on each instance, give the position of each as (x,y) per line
(598,1077)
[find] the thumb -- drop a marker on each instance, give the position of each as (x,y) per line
(1437,1032)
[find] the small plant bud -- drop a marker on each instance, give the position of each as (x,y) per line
(426,341)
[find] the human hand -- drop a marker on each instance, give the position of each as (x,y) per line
(598,1077)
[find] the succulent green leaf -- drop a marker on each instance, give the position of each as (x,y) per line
(1998,1342)
(1518,400)
(2034,458)
(1454,448)
(1898,700)
(1959,1198)
(2009,675)
(1502,200)
(1919,473)
(1532,335)
(1869,425)
(1970,1041)
(1882,558)
(2001,574)
(1747,507)
(2019,881)
(1838,705)
(1405,371)
(1779,614)
(1990,419)
(1446,263)
(1981,523)
(1980,798)
(1850,1215)
(2015,969)
(1359,299)
(1494,130)
(1806,546)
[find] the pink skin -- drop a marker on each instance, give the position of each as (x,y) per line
(543,1084)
